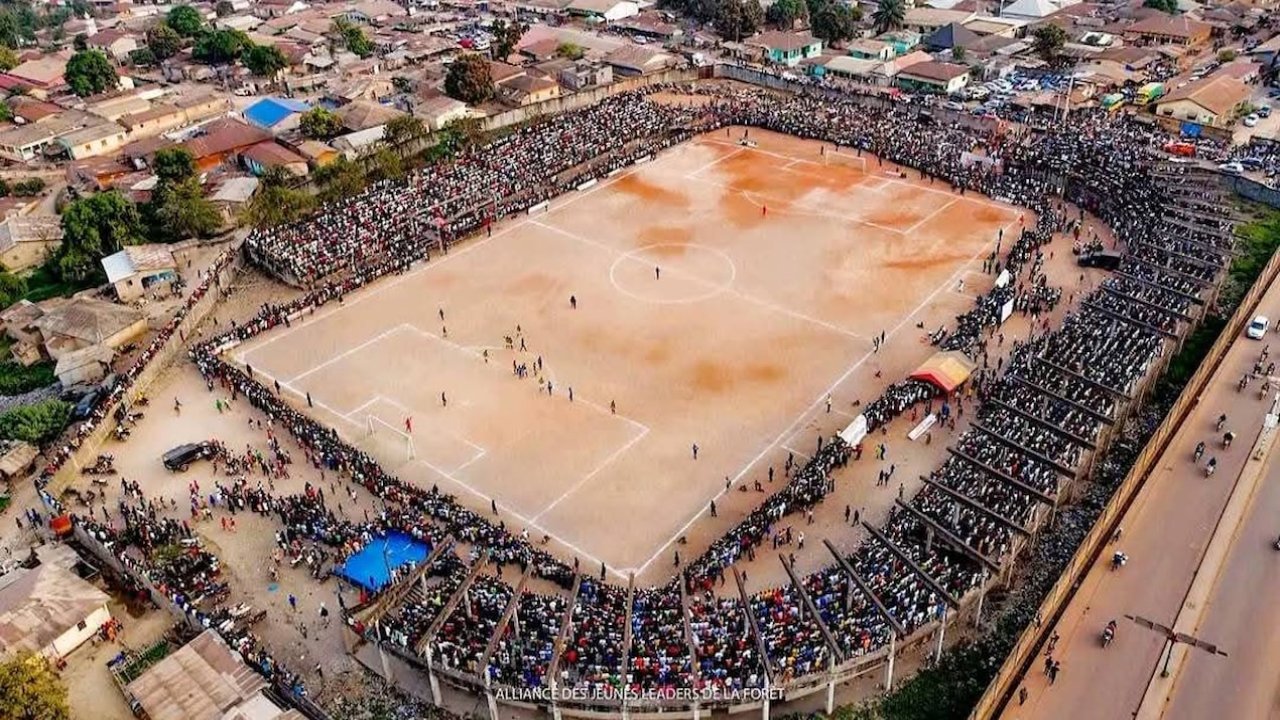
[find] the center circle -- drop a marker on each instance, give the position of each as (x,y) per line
(673,273)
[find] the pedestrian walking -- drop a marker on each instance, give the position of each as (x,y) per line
(408,425)
(573,302)
(293,602)
(309,404)
(695,451)
(713,508)
(444,401)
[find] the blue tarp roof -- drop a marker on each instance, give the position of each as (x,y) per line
(268,111)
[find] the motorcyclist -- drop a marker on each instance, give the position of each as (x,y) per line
(1110,632)
(1118,560)
(1211,467)
(1228,438)
(1222,420)
(1199,450)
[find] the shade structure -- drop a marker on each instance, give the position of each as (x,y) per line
(946,370)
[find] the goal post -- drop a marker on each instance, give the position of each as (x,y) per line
(379,429)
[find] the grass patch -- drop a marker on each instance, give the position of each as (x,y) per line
(43,284)
(16,379)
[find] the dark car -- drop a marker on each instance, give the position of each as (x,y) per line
(84,408)
(180,458)
(1105,259)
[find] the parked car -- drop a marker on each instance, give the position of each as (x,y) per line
(1263,111)
(1251,121)
(180,458)
(1231,168)
(1258,328)
(954,105)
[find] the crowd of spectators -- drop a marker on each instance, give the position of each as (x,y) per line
(1038,414)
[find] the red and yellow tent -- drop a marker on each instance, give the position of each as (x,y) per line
(946,370)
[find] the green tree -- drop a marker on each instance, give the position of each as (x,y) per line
(320,123)
(505,37)
(1226,56)
(889,15)
(184,210)
(8,58)
(80,42)
(36,424)
(12,288)
(142,57)
(90,72)
(737,19)
(29,689)
(276,202)
(570,51)
(834,23)
(784,14)
(352,36)
(6,112)
(1168,6)
(265,60)
(30,187)
(164,41)
(220,46)
(958,54)
(186,20)
(174,164)
(385,164)
(468,79)
(224,8)
(340,179)
(94,227)
(403,129)
(11,34)
(1048,41)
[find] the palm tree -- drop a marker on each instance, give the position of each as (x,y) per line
(889,15)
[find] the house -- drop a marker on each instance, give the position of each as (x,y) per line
(41,76)
(926,19)
(84,366)
(233,195)
(19,325)
(902,41)
(48,610)
(27,142)
(870,49)
(221,139)
(114,42)
(268,154)
(137,268)
(1034,10)
(375,12)
(1214,101)
(28,240)
(275,114)
(541,50)
(364,114)
(785,48)
(16,458)
(364,87)
(528,90)
(1178,30)
(80,322)
(29,110)
(846,67)
(353,145)
(187,106)
(629,60)
(950,37)
(317,153)
(603,10)
(583,74)
(1242,70)
(933,76)
(439,110)
(100,138)
(205,680)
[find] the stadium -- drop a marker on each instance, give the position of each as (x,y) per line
(618,380)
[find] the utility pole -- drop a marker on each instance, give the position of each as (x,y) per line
(1172,637)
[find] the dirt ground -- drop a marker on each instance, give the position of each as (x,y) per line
(723,293)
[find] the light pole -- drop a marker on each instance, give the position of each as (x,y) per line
(1173,637)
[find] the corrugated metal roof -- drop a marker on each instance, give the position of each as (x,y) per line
(37,606)
(201,681)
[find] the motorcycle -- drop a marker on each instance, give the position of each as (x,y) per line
(1199,453)
(1276,544)
(1109,633)
(1118,560)
(1211,467)
(1222,420)
(1228,439)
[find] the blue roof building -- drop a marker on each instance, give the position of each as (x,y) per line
(275,114)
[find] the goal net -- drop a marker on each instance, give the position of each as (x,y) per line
(392,447)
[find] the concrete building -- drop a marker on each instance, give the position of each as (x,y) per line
(603,10)
(933,76)
(1214,101)
(205,680)
(48,610)
(266,155)
(438,111)
(81,322)
(1162,29)
(100,138)
(785,48)
(84,366)
(136,269)
(28,240)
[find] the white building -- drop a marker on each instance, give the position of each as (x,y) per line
(48,610)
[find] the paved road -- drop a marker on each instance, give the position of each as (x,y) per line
(1165,534)
(1243,617)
